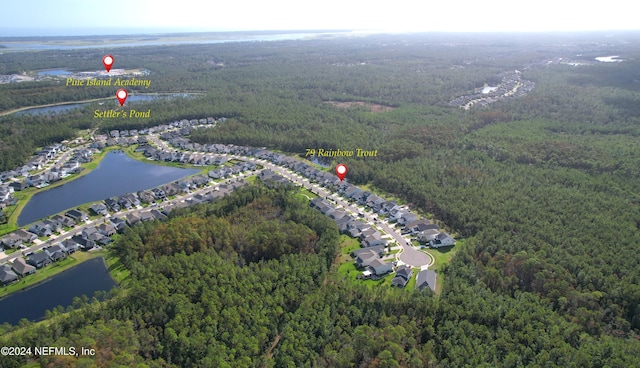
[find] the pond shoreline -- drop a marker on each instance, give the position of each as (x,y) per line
(25,108)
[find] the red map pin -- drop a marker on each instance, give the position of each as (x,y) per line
(107,60)
(341,171)
(122,95)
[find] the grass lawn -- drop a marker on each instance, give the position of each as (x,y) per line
(348,244)
(251,179)
(349,270)
(442,256)
(306,194)
(117,270)
(411,285)
(48,271)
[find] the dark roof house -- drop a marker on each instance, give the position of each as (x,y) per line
(39,260)
(21,267)
(426,279)
(403,274)
(7,275)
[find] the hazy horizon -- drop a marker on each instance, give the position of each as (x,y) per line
(32,18)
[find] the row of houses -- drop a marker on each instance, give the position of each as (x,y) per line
(126,202)
(54,174)
(184,123)
(99,235)
(423,230)
(43,228)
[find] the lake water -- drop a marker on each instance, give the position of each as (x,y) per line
(54,72)
(83,279)
(115,103)
(117,174)
(609,59)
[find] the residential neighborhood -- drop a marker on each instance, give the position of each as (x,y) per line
(378,224)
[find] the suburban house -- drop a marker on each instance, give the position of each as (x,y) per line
(106,229)
(7,275)
(343,224)
(373,240)
(71,246)
(365,256)
(426,279)
(380,268)
(26,236)
(64,221)
(146,196)
(407,218)
(39,260)
(158,215)
(21,267)
(83,243)
(158,193)
(56,252)
(112,203)
(54,225)
(442,240)
(40,229)
(132,219)
(18,185)
(120,224)
(77,215)
(428,236)
(147,216)
(99,209)
(124,202)
(11,241)
(403,275)
(132,198)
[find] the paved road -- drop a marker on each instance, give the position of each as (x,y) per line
(409,255)
(78,228)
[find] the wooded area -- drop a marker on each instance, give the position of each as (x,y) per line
(543,188)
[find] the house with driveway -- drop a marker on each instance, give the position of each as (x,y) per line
(426,279)
(56,252)
(77,215)
(26,236)
(402,277)
(379,268)
(442,240)
(365,256)
(11,241)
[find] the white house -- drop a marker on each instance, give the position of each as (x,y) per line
(442,240)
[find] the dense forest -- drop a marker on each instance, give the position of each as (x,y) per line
(543,188)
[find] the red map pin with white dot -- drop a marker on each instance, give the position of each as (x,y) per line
(107,60)
(341,171)
(122,95)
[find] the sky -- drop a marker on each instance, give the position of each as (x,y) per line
(74,17)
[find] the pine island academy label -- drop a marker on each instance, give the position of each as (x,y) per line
(117,82)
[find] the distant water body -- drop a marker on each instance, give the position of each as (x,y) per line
(34,45)
(68,107)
